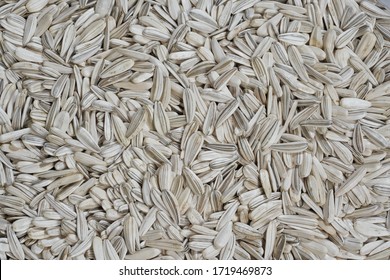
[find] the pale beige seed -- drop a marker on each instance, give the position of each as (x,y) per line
(375,137)
(345,38)
(193,181)
(161,120)
(165,244)
(35,6)
(172,204)
(59,86)
(21,225)
(131,235)
(144,254)
(203,17)
(226,112)
(117,68)
(14,244)
(103,7)
(69,37)
(354,103)
(157,88)
(29,28)
(352,181)
(291,147)
(86,138)
(189,105)
(265,182)
(97,246)
(173,8)
(270,240)
(193,147)
(297,39)
(223,236)
(370,229)
(297,63)
(24,54)
(366,44)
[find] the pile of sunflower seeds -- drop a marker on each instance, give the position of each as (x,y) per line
(194,129)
